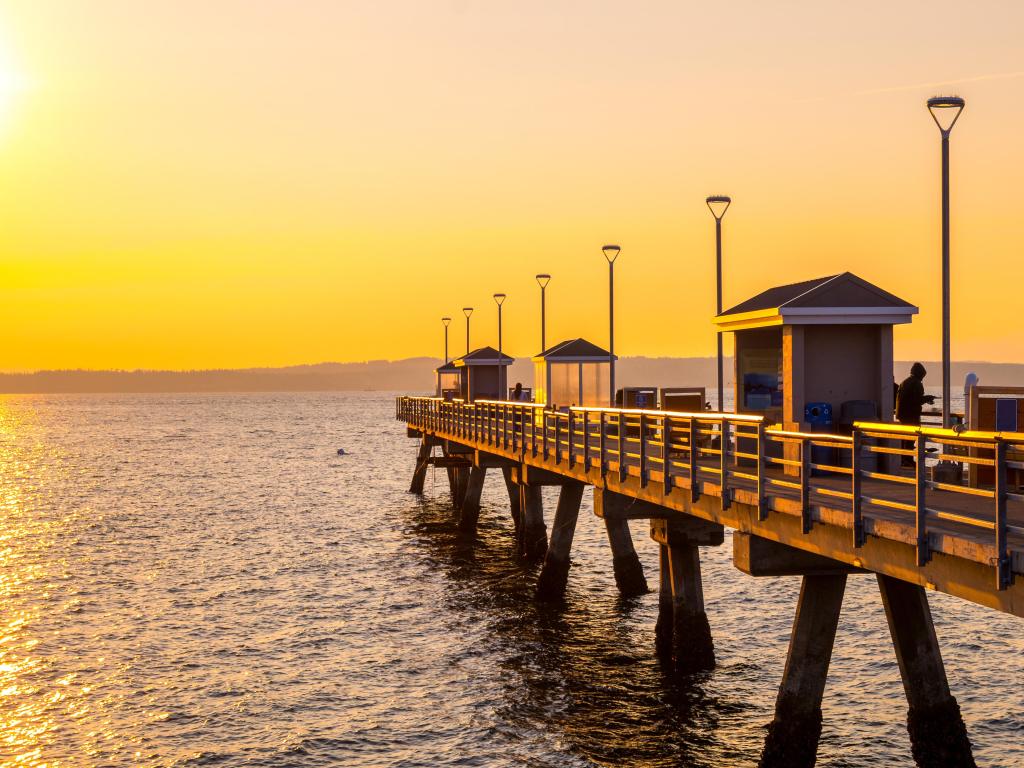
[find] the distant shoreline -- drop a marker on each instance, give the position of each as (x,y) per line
(409,375)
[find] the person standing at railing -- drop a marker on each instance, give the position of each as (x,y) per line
(517,393)
(910,399)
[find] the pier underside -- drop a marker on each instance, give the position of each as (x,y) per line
(806,532)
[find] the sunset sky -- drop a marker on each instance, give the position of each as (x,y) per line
(194,184)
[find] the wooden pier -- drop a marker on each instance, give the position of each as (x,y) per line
(821,506)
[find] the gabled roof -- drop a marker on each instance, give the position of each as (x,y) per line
(838,299)
(483,356)
(573,351)
(448,367)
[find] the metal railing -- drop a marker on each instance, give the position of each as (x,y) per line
(723,452)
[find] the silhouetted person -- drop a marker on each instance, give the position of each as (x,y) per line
(910,398)
(517,393)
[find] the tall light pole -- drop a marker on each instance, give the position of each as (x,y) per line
(611,252)
(718,205)
(446,321)
(945,110)
(499,299)
(542,281)
(467,311)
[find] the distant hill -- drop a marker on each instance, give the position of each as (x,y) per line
(411,375)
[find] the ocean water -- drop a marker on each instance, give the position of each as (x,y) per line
(202,580)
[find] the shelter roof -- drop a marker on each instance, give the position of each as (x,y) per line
(573,351)
(842,299)
(483,356)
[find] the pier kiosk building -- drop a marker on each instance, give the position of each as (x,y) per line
(572,372)
(821,341)
(483,374)
(446,381)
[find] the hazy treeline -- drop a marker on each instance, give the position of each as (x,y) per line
(411,375)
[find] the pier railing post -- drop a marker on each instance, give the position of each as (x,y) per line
(666,463)
(694,455)
(805,484)
(1004,575)
(623,469)
(856,492)
(586,442)
(762,450)
(570,428)
(643,450)
(920,500)
(724,465)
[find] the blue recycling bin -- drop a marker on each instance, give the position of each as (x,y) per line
(819,416)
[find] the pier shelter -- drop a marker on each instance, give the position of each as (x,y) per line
(446,379)
(483,374)
(824,341)
(573,372)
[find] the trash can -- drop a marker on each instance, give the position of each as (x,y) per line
(859,410)
(819,417)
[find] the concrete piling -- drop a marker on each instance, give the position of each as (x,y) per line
(533,533)
(555,573)
(422,462)
(693,649)
(513,497)
(792,740)
(663,628)
(629,573)
(470,512)
(938,736)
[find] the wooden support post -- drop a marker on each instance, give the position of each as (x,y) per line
(555,573)
(938,736)
(471,501)
(793,734)
(513,497)
(629,574)
(533,539)
(692,646)
(422,461)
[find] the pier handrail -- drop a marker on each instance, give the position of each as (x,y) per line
(719,452)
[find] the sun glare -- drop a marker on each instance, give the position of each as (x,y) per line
(12,83)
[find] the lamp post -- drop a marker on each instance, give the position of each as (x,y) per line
(446,321)
(718,205)
(945,111)
(542,281)
(499,299)
(467,311)
(611,253)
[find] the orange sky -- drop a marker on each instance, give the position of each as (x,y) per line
(189,184)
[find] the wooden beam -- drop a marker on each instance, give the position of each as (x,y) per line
(684,529)
(756,556)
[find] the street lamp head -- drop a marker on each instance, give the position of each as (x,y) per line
(611,252)
(499,299)
(718,205)
(467,311)
(447,321)
(543,280)
(945,111)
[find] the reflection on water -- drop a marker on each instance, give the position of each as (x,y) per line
(199,580)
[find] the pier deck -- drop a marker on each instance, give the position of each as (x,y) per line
(966,542)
